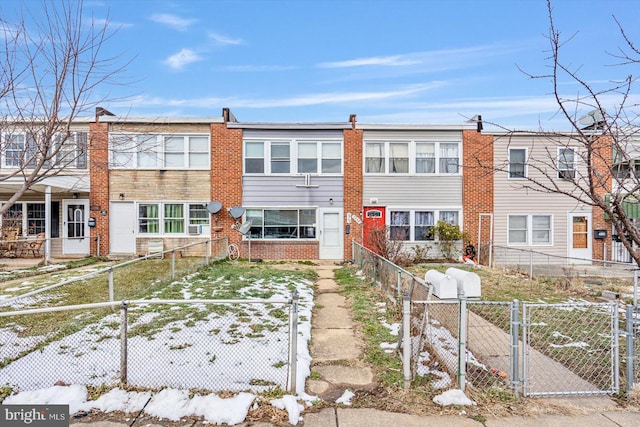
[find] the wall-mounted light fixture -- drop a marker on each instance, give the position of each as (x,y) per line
(331,200)
(121,196)
(75,195)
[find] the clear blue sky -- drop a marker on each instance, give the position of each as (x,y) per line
(404,61)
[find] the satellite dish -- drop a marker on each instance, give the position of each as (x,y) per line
(245,227)
(214,207)
(592,118)
(236,212)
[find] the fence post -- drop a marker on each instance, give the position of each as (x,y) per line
(375,262)
(110,283)
(615,310)
(399,285)
(631,354)
(515,347)
(123,343)
(207,249)
(406,340)
(530,265)
(293,350)
(462,342)
(173,264)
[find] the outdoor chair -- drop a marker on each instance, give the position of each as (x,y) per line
(9,242)
(32,246)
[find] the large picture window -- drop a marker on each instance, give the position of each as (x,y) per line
(171,218)
(149,151)
(282,223)
(416,225)
(411,157)
(292,157)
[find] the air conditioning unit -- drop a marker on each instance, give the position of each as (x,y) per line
(567,174)
(194,230)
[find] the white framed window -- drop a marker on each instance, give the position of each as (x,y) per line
(286,223)
(530,230)
(26,149)
(171,218)
(416,224)
(292,157)
(165,151)
(566,163)
(411,157)
(517,163)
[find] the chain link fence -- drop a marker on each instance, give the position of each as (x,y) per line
(214,345)
(533,349)
(109,283)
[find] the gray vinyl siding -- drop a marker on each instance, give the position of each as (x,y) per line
(511,199)
(426,191)
(287,191)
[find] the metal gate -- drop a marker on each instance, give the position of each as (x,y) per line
(570,349)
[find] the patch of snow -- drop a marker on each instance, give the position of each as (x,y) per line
(389,347)
(394,328)
(345,399)
(453,397)
(293,408)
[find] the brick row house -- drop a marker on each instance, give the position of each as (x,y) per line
(309,189)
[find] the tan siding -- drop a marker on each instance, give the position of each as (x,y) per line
(160,185)
(511,198)
(425,191)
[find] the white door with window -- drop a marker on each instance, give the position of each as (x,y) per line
(331,242)
(122,228)
(580,242)
(75,228)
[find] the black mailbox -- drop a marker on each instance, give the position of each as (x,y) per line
(91,222)
(599,234)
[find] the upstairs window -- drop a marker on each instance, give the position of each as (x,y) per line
(411,157)
(566,163)
(517,162)
(159,151)
(292,157)
(28,149)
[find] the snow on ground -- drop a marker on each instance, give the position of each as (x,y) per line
(453,397)
(345,399)
(239,347)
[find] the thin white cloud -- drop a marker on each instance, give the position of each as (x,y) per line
(179,60)
(223,40)
(435,60)
(173,21)
(256,68)
(101,22)
(295,101)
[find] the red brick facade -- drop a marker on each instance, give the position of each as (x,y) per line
(353,186)
(226,176)
(602,159)
(477,183)
(99,195)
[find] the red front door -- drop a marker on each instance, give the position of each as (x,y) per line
(374,224)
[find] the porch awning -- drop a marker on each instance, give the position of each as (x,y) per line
(631,207)
(58,184)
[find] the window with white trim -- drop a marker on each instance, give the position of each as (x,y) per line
(26,149)
(170,218)
(566,163)
(411,157)
(166,151)
(292,157)
(517,163)
(416,224)
(530,230)
(282,223)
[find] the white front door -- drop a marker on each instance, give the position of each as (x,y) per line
(122,228)
(579,241)
(331,243)
(75,227)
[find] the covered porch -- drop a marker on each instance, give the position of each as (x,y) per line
(50,220)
